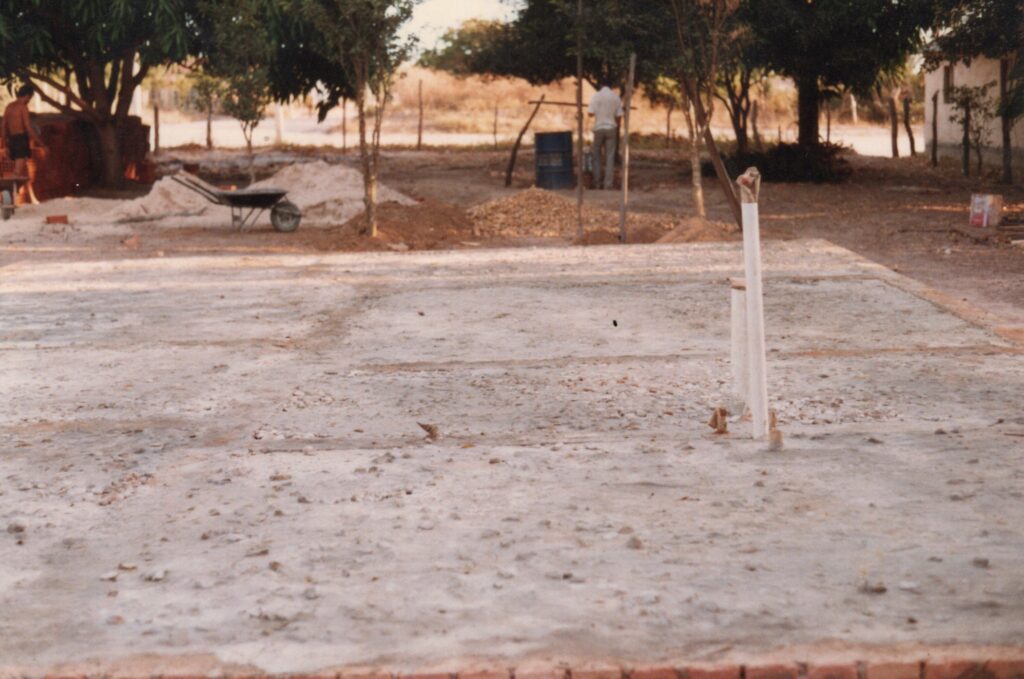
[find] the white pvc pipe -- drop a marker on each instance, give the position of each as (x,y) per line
(756,354)
(738,349)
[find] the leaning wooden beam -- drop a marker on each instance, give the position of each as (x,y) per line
(519,140)
(716,158)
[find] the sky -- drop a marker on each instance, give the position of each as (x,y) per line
(433,17)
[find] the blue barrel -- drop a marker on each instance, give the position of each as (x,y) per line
(554,160)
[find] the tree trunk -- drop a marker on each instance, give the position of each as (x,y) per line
(697,180)
(935,130)
(110,149)
(252,164)
(753,125)
(344,126)
(1007,123)
(209,127)
(853,108)
(895,126)
(156,128)
(908,128)
(809,108)
(369,181)
(668,124)
(966,159)
(738,126)
(828,122)
(419,125)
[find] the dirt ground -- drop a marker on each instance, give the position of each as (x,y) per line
(900,213)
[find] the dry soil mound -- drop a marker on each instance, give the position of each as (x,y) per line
(542,214)
(698,230)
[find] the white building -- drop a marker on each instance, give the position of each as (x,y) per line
(981,71)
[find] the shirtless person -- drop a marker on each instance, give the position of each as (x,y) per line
(17,132)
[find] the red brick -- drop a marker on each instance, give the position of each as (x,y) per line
(1006,669)
(894,670)
(654,673)
(955,669)
(773,672)
(721,672)
(832,671)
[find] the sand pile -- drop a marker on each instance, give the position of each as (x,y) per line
(543,214)
(166,198)
(328,195)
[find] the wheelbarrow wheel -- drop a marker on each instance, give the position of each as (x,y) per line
(285,216)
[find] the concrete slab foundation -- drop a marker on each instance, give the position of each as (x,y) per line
(221,462)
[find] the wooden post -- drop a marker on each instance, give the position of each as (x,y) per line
(668,124)
(935,129)
(156,125)
(853,108)
(1006,123)
(519,140)
(750,186)
(419,126)
(828,122)
(966,158)
(716,159)
(495,127)
(625,149)
(753,124)
(895,126)
(344,126)
(579,118)
(906,125)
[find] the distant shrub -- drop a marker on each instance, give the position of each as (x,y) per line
(791,163)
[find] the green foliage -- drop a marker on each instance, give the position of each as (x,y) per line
(458,47)
(834,44)
(975,110)
(96,53)
(240,55)
(539,45)
(838,43)
(966,29)
(207,91)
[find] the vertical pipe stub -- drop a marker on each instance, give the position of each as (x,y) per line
(750,185)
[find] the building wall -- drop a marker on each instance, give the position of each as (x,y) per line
(980,72)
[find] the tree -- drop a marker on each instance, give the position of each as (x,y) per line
(458,47)
(702,30)
(207,92)
(968,29)
(95,54)
(240,55)
(539,45)
(360,38)
(834,43)
(973,110)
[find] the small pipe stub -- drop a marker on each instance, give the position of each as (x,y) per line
(750,185)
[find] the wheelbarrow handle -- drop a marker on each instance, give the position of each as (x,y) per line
(199,188)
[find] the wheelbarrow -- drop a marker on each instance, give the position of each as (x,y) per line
(247,205)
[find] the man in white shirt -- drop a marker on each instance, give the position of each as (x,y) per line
(606,110)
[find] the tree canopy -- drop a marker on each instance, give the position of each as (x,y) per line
(95,53)
(834,43)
